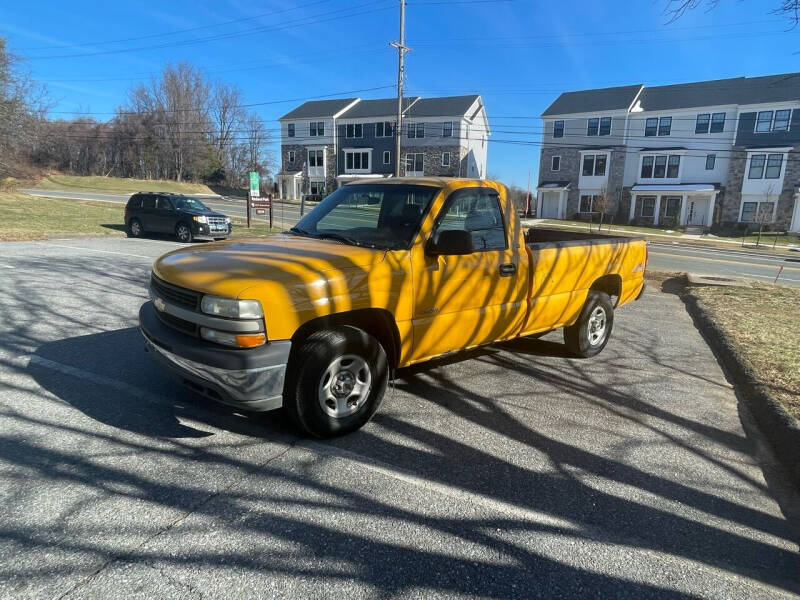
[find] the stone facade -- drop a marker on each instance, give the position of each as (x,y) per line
(432,163)
(300,156)
(731,204)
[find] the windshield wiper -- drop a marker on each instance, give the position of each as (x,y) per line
(338,237)
(299,231)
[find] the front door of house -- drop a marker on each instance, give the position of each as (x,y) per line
(697,210)
(550,206)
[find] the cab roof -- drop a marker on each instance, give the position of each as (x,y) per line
(432,181)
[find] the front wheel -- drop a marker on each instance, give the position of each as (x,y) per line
(335,382)
(184,233)
(590,333)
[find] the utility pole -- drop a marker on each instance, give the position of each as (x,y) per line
(528,197)
(401,51)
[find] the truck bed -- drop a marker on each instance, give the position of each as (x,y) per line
(541,238)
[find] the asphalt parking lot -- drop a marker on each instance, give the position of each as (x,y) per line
(511,473)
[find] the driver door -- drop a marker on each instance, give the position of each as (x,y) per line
(467,300)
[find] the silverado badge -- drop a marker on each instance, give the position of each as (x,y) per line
(160,304)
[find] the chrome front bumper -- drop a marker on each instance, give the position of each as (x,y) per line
(249,379)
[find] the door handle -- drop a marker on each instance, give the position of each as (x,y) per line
(507,269)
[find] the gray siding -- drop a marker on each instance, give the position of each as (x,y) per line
(746,135)
(378,145)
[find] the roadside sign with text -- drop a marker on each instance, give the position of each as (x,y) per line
(255,182)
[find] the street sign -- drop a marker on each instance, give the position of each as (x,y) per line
(260,203)
(255,183)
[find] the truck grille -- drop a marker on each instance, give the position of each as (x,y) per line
(176,295)
(177,323)
(217,223)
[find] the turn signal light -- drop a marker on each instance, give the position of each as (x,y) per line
(250,340)
(238,340)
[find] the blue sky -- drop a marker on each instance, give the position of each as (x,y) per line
(519,54)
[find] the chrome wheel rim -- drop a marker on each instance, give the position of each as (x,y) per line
(183,233)
(136,229)
(344,386)
(596,331)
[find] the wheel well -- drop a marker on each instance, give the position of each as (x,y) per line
(377,322)
(610,284)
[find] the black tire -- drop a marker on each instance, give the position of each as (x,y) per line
(310,368)
(183,233)
(135,229)
(583,338)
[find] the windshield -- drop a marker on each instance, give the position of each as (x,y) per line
(376,215)
(184,203)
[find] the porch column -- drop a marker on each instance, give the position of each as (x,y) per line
(539,195)
(684,209)
(632,212)
(794,225)
(658,209)
(562,204)
(710,214)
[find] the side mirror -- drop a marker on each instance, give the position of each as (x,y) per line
(451,242)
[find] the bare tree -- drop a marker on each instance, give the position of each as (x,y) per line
(602,204)
(785,8)
(765,211)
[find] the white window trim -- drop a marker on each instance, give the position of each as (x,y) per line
(416,125)
(354,136)
(658,125)
(599,126)
(558,156)
(452,128)
(385,123)
(759,202)
(291,156)
(405,159)
(387,157)
(595,153)
(681,153)
(357,151)
(447,164)
(772,120)
(563,128)
(766,152)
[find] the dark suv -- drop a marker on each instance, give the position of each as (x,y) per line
(182,216)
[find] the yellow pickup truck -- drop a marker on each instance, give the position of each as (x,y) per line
(378,276)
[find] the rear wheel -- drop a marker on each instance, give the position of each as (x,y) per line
(336,382)
(135,228)
(590,333)
(184,233)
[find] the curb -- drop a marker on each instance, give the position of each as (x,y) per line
(780,428)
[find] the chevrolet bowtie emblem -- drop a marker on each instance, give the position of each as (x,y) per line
(160,304)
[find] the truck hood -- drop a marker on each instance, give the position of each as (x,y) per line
(228,268)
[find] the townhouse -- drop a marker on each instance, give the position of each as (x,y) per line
(722,153)
(327,143)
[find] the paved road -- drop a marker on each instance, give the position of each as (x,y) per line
(284,214)
(714,261)
(511,473)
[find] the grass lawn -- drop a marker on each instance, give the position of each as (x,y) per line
(767,239)
(764,322)
(32,218)
(29,218)
(118,184)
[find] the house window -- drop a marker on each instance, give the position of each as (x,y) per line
(445,159)
(711,160)
(593,126)
(605,126)
(415,162)
(315,158)
(317,188)
(587,203)
(757,166)
(317,128)
(647,206)
(757,212)
(671,206)
(701,125)
(558,129)
(447,129)
(660,166)
(766,123)
(290,130)
(356,161)
(781,122)
(594,165)
(416,130)
(774,162)
(354,130)
(290,156)
(384,129)
(717,122)
(555,163)
(748,212)
(673,165)
(664,125)
(651,127)
(387,157)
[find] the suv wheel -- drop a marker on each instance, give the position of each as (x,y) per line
(184,233)
(135,228)
(335,382)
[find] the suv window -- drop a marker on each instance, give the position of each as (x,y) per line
(135,202)
(163,203)
(148,201)
(478,212)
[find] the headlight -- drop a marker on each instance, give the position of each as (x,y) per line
(201,219)
(228,220)
(231,308)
